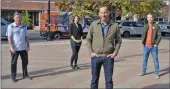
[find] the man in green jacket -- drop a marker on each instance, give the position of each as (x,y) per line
(150,39)
(104,41)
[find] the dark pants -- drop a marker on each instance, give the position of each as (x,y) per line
(24,58)
(96,64)
(75,50)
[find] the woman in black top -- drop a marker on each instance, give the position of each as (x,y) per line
(76,33)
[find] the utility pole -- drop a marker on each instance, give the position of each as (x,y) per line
(49,33)
(113,13)
(169,11)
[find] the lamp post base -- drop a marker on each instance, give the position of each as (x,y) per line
(49,37)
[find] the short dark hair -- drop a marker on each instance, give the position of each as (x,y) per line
(150,14)
(101,6)
(75,16)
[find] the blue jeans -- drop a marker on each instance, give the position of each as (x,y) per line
(96,64)
(154,51)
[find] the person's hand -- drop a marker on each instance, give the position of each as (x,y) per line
(93,55)
(12,50)
(155,45)
(78,41)
(28,49)
(113,55)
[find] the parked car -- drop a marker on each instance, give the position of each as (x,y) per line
(4,25)
(128,28)
(165,28)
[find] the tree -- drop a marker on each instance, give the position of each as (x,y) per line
(156,6)
(141,7)
(126,7)
(80,7)
(26,18)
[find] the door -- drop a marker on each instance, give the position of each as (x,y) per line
(138,28)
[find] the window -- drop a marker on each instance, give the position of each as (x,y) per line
(156,19)
(161,19)
(139,24)
(36,18)
(64,20)
(134,24)
(126,23)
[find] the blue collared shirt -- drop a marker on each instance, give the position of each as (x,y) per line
(105,28)
(18,36)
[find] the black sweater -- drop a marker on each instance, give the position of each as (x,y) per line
(76,32)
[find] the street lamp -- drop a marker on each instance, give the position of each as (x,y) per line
(48,33)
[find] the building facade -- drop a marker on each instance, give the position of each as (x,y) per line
(34,7)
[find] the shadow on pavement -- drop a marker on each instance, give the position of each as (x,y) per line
(165,71)
(33,40)
(53,71)
(40,39)
(83,66)
(132,38)
(158,86)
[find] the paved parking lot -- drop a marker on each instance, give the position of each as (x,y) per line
(49,61)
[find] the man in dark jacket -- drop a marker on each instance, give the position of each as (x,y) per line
(150,39)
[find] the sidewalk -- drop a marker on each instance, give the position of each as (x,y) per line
(49,67)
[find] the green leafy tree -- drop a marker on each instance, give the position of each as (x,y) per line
(90,7)
(156,6)
(141,7)
(26,18)
(125,6)
(82,8)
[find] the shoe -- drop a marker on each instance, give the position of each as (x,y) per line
(142,74)
(72,67)
(14,80)
(76,67)
(157,76)
(27,77)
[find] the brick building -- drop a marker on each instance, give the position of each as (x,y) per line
(34,7)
